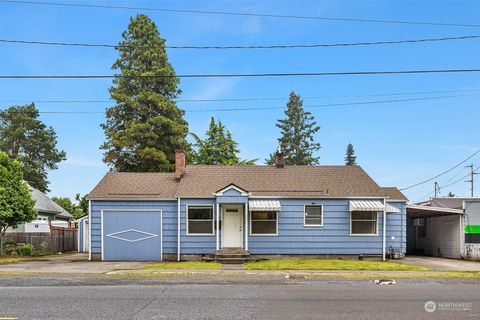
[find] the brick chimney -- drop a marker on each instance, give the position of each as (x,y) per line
(179,164)
(279,159)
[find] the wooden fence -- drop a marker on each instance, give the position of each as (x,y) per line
(57,240)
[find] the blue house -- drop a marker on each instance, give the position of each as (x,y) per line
(200,210)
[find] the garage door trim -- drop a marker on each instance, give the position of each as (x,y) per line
(132,210)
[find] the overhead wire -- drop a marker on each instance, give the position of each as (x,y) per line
(241,75)
(224,47)
(244,14)
(441,174)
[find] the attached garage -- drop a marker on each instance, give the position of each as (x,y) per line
(131,234)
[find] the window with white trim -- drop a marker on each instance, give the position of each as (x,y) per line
(263,222)
(313,215)
(200,220)
(363,222)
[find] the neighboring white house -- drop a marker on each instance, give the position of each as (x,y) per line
(49,213)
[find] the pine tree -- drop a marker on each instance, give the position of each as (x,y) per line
(350,157)
(218,147)
(145,126)
(25,138)
(297,140)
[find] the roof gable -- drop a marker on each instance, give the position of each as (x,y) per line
(46,205)
(231,190)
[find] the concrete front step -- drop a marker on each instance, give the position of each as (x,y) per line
(232,251)
(232,256)
(232,260)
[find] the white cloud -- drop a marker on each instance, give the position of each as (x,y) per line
(84,162)
(215,88)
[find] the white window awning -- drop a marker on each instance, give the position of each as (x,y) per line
(366,206)
(257,205)
(391,209)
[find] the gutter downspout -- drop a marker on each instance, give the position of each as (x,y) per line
(384,239)
(217,239)
(178,229)
(89,230)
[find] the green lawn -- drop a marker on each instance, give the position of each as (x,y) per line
(13,259)
(324,264)
(184,265)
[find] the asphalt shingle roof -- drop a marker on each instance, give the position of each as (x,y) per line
(203,181)
(47,205)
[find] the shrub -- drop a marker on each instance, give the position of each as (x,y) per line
(9,246)
(25,250)
(42,250)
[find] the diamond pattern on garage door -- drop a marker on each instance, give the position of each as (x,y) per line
(131,235)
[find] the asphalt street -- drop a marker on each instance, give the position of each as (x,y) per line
(332,299)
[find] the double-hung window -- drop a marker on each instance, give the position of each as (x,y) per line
(313,216)
(200,220)
(363,223)
(264,223)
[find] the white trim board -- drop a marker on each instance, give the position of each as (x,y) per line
(240,211)
(304,216)
(186,220)
(234,187)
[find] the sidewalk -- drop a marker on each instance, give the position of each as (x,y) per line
(257,272)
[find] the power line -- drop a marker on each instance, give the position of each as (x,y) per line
(448,185)
(254,99)
(286,46)
(240,75)
(457,181)
(273,108)
(247,14)
(441,174)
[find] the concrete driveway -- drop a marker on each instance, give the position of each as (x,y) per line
(441,264)
(71,263)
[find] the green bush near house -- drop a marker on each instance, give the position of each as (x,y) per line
(42,250)
(326,264)
(25,250)
(9,246)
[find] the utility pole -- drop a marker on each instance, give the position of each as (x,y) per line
(472,175)
(437,188)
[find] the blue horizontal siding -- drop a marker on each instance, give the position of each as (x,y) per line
(332,238)
(195,244)
(397,228)
(293,237)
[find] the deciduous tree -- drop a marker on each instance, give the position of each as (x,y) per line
(16,203)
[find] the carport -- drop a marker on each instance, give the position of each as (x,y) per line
(434,231)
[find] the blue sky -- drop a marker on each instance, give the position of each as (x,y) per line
(398,144)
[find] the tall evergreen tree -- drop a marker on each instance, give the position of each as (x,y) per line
(350,157)
(218,147)
(25,138)
(297,140)
(145,126)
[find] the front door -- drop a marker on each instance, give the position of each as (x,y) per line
(232,236)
